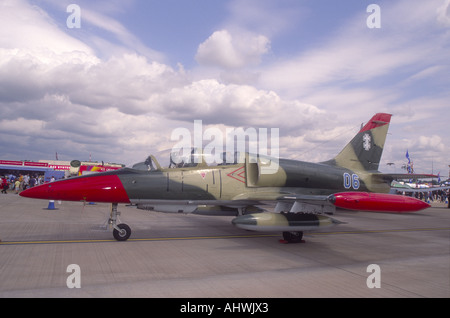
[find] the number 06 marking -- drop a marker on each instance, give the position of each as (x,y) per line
(351,181)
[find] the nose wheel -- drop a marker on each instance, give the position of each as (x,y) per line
(122,231)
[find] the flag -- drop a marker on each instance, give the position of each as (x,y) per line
(56,155)
(408,166)
(439,177)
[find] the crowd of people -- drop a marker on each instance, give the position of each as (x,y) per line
(436,196)
(21,182)
(429,196)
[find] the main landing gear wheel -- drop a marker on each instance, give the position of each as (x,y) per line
(293,237)
(122,233)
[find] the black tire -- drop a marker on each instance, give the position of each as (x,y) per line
(293,237)
(123,234)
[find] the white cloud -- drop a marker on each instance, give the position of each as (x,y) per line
(24,26)
(236,105)
(429,143)
(123,82)
(125,37)
(443,13)
(229,51)
(351,60)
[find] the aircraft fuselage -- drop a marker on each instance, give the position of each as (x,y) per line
(234,181)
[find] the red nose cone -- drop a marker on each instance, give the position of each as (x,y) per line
(95,188)
(378,202)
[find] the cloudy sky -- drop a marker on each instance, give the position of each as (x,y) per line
(116,85)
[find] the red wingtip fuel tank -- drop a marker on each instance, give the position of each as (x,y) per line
(93,188)
(377,202)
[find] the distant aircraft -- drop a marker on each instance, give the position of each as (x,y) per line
(303,192)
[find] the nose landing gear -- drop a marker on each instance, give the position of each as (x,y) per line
(122,231)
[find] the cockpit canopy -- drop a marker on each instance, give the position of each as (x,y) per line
(180,158)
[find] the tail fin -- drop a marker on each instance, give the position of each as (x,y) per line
(364,152)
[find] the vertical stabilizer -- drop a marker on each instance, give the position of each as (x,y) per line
(364,152)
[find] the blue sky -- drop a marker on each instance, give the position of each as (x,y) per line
(136,70)
(177,27)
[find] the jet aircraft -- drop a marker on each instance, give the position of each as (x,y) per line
(304,194)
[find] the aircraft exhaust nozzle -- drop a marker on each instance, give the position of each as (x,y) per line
(283,222)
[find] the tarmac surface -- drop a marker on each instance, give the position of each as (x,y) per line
(191,256)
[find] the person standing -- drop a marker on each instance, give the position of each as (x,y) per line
(4,185)
(17,185)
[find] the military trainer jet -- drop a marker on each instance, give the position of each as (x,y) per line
(303,193)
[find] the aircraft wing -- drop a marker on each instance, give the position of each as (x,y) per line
(305,204)
(244,203)
(202,207)
(290,202)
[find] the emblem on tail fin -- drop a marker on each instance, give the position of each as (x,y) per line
(366,142)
